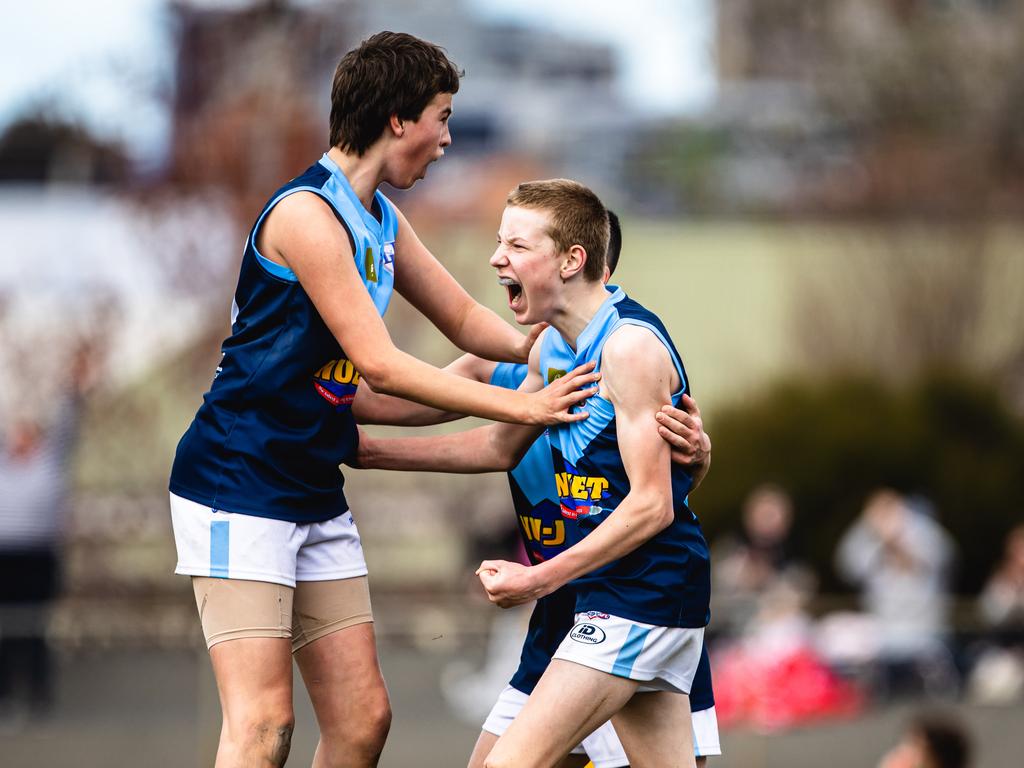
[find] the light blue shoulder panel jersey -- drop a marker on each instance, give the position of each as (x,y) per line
(666,581)
(277,421)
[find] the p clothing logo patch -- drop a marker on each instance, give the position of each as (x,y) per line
(587,634)
(554,374)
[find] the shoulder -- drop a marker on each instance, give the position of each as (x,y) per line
(634,363)
(302,203)
(632,345)
(300,220)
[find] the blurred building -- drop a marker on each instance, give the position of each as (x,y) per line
(252,94)
(877,107)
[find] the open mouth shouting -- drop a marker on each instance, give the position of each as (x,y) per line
(515,293)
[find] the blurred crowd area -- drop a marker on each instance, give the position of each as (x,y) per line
(834,241)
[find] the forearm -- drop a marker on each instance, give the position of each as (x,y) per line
(484,334)
(635,521)
(473,451)
(405,376)
(372,407)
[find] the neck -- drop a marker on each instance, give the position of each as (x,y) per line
(582,300)
(364,173)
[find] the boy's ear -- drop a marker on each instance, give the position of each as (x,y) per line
(397,125)
(573,261)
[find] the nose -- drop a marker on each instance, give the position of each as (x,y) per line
(446,137)
(498,258)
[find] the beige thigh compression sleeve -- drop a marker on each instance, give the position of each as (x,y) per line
(323,607)
(235,608)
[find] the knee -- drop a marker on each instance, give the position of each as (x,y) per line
(371,730)
(265,733)
(361,735)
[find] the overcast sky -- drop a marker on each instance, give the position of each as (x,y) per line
(103,59)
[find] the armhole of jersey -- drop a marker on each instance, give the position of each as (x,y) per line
(668,346)
(388,219)
(280,271)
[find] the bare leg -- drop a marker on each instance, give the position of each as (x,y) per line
(484,743)
(569,702)
(655,730)
(487,740)
(342,675)
(254,679)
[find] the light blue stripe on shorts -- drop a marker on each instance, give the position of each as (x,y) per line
(630,650)
(220,540)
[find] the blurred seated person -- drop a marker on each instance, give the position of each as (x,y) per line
(900,557)
(1002,600)
(930,741)
(756,562)
(998,673)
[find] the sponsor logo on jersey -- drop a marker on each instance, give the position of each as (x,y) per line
(554,374)
(596,615)
(587,634)
(578,493)
(388,258)
(336,382)
(536,530)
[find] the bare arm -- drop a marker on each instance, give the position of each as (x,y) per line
(638,378)
(302,233)
(469,325)
(496,447)
(372,407)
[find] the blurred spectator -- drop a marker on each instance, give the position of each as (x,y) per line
(756,563)
(998,674)
(931,741)
(34,485)
(1002,600)
(900,558)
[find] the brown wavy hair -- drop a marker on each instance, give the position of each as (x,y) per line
(391,73)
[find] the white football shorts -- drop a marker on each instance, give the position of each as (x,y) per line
(603,746)
(234,546)
(661,658)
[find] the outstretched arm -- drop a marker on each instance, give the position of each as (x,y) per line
(638,378)
(493,448)
(302,233)
(371,407)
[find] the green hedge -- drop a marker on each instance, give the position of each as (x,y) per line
(831,443)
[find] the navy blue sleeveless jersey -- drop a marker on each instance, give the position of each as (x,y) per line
(542,527)
(277,421)
(665,581)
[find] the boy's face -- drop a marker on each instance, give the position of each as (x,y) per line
(423,141)
(527,261)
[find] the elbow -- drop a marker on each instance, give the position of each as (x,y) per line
(381,377)
(659,514)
